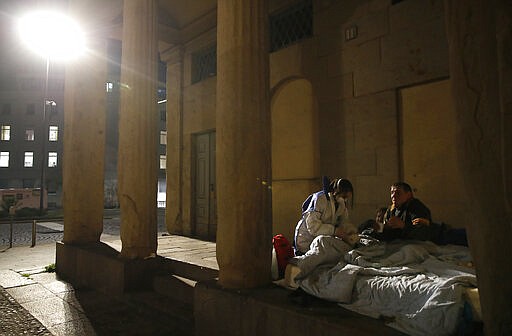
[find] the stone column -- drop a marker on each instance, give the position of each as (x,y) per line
(84,138)
(243,144)
(471,32)
(174,169)
(504,40)
(137,161)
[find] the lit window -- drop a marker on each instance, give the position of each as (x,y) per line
(163,161)
(109,86)
(163,137)
(29,159)
(5,133)
(4,159)
(54,133)
(29,135)
(52,159)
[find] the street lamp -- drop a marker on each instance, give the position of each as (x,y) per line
(57,37)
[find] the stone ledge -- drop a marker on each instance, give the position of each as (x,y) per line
(270,311)
(98,266)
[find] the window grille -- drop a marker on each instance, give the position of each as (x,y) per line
(291,25)
(204,64)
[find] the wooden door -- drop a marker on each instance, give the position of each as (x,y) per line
(204,186)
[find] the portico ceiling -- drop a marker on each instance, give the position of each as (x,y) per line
(182,20)
(179,20)
(182,13)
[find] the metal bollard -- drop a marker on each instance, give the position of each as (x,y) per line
(33,233)
(12,212)
(10,234)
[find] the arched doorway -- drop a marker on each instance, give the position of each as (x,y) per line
(295,152)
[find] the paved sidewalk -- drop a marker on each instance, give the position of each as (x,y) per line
(36,302)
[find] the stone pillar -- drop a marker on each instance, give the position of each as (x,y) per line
(504,39)
(137,161)
(471,31)
(174,154)
(243,144)
(84,138)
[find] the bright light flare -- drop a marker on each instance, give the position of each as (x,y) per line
(52,35)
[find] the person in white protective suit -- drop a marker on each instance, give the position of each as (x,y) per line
(324,213)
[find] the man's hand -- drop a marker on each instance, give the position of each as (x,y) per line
(420,221)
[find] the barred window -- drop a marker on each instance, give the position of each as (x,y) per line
(291,25)
(204,64)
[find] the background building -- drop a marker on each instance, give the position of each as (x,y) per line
(25,124)
(374,91)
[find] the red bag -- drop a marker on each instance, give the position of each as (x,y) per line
(284,251)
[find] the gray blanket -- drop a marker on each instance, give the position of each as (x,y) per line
(417,286)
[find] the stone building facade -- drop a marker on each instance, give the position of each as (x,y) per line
(379,91)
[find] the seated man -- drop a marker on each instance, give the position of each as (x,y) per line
(407,217)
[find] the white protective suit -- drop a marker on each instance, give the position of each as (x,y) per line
(319,217)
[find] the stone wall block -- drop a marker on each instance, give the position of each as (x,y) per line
(408,56)
(406,15)
(353,57)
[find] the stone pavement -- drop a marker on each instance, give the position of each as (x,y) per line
(34,301)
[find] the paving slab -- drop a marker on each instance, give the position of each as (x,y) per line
(37,302)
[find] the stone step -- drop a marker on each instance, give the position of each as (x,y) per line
(175,312)
(175,287)
(188,270)
(177,279)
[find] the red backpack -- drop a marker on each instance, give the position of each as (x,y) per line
(284,251)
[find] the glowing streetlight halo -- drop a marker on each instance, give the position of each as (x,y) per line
(52,35)
(56,37)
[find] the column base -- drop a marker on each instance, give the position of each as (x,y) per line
(98,266)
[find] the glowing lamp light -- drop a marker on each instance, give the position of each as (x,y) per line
(52,35)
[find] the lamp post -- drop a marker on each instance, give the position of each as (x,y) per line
(44,135)
(55,37)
